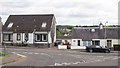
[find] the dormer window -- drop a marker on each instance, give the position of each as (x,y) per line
(44,24)
(10,25)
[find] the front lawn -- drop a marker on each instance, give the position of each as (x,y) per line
(2,55)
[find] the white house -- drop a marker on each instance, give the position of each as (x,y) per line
(37,30)
(0,31)
(85,36)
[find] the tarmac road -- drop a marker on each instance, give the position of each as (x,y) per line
(54,57)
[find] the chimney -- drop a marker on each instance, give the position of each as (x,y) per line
(100,25)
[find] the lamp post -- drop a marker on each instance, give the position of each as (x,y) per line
(105,33)
(105,29)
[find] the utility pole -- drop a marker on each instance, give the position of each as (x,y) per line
(105,30)
(105,37)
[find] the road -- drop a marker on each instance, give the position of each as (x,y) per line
(54,57)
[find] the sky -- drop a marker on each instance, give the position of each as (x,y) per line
(67,12)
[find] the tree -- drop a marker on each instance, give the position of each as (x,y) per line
(58,33)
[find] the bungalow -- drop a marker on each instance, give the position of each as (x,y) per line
(85,36)
(37,30)
(64,39)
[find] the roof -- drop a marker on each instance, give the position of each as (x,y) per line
(87,34)
(0,25)
(27,23)
(63,37)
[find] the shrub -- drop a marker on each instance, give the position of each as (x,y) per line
(116,44)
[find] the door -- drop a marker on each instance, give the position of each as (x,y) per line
(109,43)
(78,42)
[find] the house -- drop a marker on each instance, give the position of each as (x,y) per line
(0,31)
(64,39)
(37,30)
(65,32)
(103,36)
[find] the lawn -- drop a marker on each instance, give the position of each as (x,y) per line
(2,55)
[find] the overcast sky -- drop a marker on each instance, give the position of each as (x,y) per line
(67,12)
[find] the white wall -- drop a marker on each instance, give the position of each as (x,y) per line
(49,37)
(103,43)
(115,41)
(30,38)
(76,42)
(15,38)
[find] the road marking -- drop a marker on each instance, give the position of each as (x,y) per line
(57,64)
(45,54)
(65,63)
(36,53)
(30,53)
(114,58)
(97,60)
(19,54)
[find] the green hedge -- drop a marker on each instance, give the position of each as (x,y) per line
(116,44)
(1,54)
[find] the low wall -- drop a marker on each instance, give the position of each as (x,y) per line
(62,46)
(78,47)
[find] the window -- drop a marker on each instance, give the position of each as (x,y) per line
(10,25)
(78,42)
(8,37)
(89,43)
(98,47)
(38,36)
(44,37)
(26,37)
(84,43)
(41,37)
(96,42)
(74,41)
(18,37)
(11,37)
(44,24)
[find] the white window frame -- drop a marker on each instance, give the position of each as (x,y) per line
(43,37)
(10,25)
(44,24)
(18,36)
(36,37)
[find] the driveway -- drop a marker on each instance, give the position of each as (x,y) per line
(54,57)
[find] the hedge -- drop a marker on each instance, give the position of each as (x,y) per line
(116,44)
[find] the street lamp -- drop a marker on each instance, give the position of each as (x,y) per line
(105,29)
(105,33)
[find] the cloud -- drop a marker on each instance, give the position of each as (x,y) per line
(71,12)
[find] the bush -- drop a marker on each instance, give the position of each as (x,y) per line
(1,54)
(116,44)
(116,47)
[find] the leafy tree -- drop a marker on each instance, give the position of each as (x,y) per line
(58,33)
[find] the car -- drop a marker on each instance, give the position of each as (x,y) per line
(97,48)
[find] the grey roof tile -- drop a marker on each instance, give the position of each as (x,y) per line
(27,23)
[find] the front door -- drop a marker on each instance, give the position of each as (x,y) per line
(78,42)
(109,43)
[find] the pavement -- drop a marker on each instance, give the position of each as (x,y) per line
(12,57)
(55,57)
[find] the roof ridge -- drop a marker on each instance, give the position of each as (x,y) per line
(32,15)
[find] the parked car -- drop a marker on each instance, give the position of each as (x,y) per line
(97,48)
(58,42)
